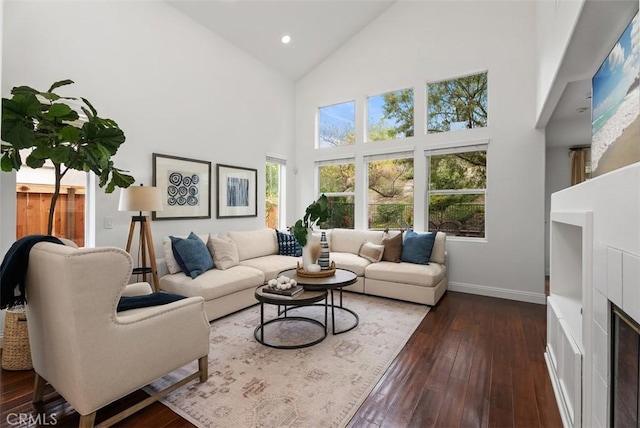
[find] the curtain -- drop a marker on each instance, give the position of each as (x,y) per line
(579,159)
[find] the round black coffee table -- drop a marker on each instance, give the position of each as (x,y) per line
(342,278)
(306,298)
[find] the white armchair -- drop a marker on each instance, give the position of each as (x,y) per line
(91,354)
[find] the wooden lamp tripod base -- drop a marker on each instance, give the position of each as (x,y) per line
(146,248)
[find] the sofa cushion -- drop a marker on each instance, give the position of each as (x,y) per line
(370,251)
(224,250)
(288,245)
(255,243)
(417,247)
(407,273)
(272,265)
(392,242)
(169,258)
(349,240)
(214,283)
(349,261)
(438,253)
(192,255)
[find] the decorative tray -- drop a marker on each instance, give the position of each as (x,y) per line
(323,273)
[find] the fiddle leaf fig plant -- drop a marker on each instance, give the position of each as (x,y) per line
(45,123)
(317,212)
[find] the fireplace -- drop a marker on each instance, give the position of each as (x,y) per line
(625,367)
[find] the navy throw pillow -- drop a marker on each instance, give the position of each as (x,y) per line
(288,245)
(146,300)
(417,247)
(192,255)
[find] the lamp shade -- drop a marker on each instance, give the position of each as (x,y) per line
(140,198)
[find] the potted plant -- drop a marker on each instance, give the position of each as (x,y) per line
(47,124)
(316,212)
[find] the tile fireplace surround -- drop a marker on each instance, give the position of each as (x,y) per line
(595,263)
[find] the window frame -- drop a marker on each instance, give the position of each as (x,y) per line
(449,149)
(282,188)
(318,137)
(337,161)
(404,153)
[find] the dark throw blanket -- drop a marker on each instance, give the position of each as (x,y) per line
(14,267)
(146,300)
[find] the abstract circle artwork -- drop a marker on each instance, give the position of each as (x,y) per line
(183,189)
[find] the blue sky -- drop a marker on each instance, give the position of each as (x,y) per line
(618,71)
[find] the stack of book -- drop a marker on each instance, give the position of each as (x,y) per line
(289,293)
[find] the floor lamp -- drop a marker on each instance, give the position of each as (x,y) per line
(141,198)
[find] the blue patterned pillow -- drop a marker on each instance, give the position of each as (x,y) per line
(417,247)
(192,255)
(288,245)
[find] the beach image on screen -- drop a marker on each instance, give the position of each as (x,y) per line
(615,126)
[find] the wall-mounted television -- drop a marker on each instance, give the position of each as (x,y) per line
(615,102)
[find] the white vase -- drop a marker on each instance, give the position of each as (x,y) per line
(307,253)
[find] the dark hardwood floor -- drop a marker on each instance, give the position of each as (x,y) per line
(474,361)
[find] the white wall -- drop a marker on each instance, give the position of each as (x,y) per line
(174,87)
(415,42)
(555,22)
(558,177)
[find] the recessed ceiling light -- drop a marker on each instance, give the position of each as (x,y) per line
(286,39)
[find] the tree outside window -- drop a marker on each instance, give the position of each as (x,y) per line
(457,104)
(456,195)
(337,182)
(390,115)
(390,193)
(336,125)
(274,195)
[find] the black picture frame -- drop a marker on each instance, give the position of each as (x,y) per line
(186,187)
(237,191)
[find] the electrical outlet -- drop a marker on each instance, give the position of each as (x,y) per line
(108,222)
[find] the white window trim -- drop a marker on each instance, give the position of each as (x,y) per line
(282,187)
(447,149)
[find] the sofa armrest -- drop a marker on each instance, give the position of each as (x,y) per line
(137,289)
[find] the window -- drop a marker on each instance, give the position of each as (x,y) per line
(34,191)
(336,125)
(390,115)
(456,191)
(337,182)
(390,190)
(275,193)
(457,104)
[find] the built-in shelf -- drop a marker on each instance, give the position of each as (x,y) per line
(571,245)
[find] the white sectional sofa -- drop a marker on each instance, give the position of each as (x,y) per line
(226,291)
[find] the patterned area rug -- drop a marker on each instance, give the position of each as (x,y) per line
(251,385)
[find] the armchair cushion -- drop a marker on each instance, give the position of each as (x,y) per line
(192,255)
(144,301)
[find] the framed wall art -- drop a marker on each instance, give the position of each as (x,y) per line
(237,191)
(186,187)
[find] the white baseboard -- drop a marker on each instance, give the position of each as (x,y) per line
(501,293)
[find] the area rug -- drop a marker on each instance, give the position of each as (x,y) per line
(251,385)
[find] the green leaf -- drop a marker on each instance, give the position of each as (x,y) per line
(93,110)
(111,138)
(60,83)
(34,162)
(10,160)
(59,110)
(18,135)
(70,134)
(41,152)
(61,154)
(87,113)
(50,96)
(24,90)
